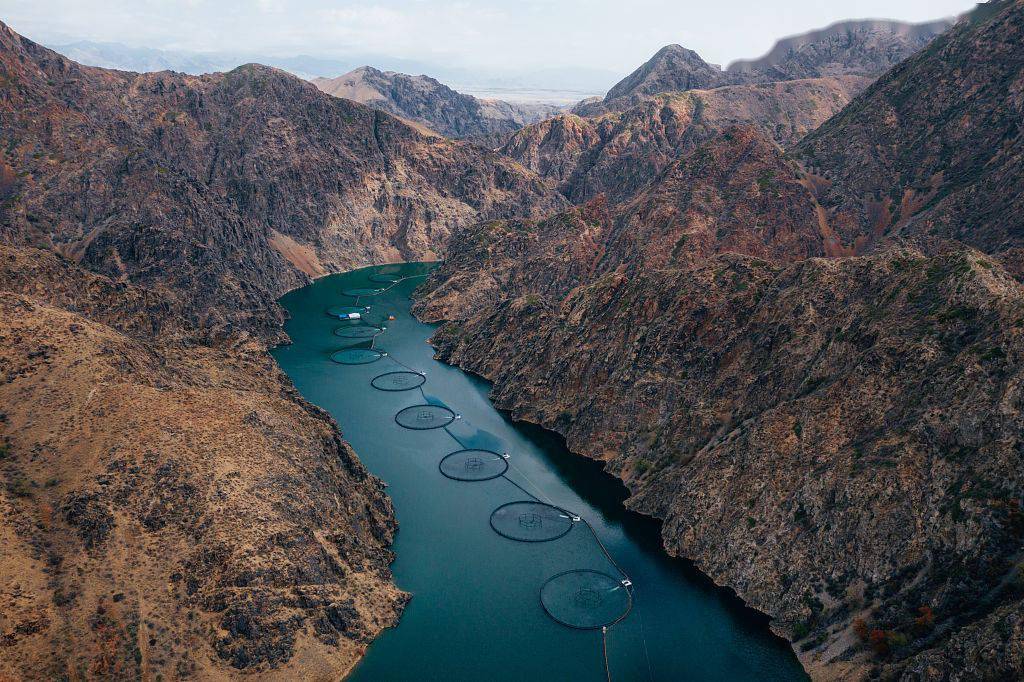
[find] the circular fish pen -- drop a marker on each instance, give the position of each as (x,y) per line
(398,381)
(424,417)
(473,465)
(585,599)
(356,356)
(582,598)
(364,331)
(529,521)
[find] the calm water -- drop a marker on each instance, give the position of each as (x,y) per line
(476,612)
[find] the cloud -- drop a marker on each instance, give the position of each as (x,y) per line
(497,34)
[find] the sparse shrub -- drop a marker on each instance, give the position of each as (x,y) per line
(861,629)
(926,620)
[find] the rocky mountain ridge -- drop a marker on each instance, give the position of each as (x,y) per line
(836,438)
(868,47)
(426,102)
(231,187)
(851,48)
(171,507)
(619,153)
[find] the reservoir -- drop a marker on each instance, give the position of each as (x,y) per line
(515,551)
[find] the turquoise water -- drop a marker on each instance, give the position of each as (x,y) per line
(476,611)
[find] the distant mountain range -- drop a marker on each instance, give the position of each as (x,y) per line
(559,83)
(858,48)
(426,102)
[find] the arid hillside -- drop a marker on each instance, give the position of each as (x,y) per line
(432,105)
(827,417)
(228,189)
(170,508)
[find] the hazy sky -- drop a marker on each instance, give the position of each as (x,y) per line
(607,34)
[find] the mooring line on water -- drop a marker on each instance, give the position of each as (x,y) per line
(643,636)
(626,582)
(604,647)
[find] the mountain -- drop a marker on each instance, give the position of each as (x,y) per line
(557,85)
(170,506)
(426,102)
(673,68)
(948,164)
(864,48)
(228,189)
(825,417)
(851,48)
(619,153)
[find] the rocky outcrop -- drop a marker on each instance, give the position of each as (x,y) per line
(426,102)
(864,48)
(673,68)
(170,509)
(228,189)
(169,506)
(837,439)
(934,146)
(618,154)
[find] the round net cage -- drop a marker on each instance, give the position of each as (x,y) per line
(423,417)
(384,278)
(473,465)
(530,521)
(358,332)
(361,291)
(585,599)
(356,356)
(398,381)
(345,310)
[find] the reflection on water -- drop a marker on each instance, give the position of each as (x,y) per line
(492,605)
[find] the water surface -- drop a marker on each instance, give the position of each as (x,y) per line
(476,612)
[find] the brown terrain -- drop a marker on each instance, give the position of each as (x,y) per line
(226,190)
(822,406)
(434,106)
(171,507)
(616,154)
(806,363)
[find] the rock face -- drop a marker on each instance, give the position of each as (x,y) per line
(864,48)
(836,438)
(619,153)
(673,68)
(426,102)
(228,189)
(949,163)
(849,48)
(170,508)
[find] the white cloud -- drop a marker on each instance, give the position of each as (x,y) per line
(482,34)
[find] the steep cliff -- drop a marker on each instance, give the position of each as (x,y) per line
(837,439)
(228,189)
(619,153)
(426,102)
(170,508)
